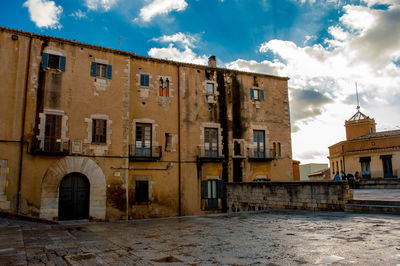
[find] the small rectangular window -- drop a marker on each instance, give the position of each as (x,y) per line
(210,88)
(99,132)
(144,80)
(211,191)
(102,70)
(142,191)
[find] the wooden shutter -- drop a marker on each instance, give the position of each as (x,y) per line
(45,60)
(204,189)
(251,93)
(62,63)
(109,71)
(93,69)
(262,95)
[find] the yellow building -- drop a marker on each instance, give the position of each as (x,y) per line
(92,132)
(372,154)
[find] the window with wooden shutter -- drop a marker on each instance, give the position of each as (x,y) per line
(256,94)
(51,61)
(99,135)
(100,70)
(144,80)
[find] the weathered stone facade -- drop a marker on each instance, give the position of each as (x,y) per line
(302,195)
(138,137)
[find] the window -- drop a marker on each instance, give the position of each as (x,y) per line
(142,191)
(365,167)
(333,167)
(101,70)
(258,143)
(387,166)
(143,140)
(99,131)
(51,61)
(256,94)
(277,149)
(164,87)
(212,190)
(144,80)
(52,140)
(211,142)
(210,88)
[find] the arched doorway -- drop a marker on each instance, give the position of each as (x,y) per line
(73,202)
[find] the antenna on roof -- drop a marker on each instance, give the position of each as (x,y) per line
(119,42)
(358,103)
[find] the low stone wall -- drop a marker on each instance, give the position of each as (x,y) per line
(379,183)
(302,195)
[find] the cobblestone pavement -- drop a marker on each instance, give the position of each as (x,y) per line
(278,237)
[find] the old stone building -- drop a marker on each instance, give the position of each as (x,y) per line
(92,132)
(372,154)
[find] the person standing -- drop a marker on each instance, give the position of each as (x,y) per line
(336,177)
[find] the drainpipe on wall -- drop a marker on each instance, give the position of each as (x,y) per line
(23,122)
(127,141)
(179,145)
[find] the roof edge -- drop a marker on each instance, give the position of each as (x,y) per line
(133,54)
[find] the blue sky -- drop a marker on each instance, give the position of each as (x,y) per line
(324,46)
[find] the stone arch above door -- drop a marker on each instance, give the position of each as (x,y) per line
(67,165)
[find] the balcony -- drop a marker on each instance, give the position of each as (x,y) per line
(209,155)
(51,146)
(265,156)
(144,154)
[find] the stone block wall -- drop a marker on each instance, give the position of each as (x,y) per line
(306,195)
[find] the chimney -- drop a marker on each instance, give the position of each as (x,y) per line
(212,62)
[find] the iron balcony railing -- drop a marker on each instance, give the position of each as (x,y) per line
(266,155)
(50,146)
(153,153)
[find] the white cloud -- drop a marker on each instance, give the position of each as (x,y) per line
(185,40)
(100,4)
(362,48)
(44,13)
(78,14)
(161,7)
(172,53)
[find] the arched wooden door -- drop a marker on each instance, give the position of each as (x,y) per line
(73,202)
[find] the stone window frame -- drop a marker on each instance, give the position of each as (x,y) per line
(89,131)
(242,143)
(211,98)
(150,181)
(42,125)
(59,53)
(220,138)
(154,125)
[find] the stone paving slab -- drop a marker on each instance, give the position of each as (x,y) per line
(278,237)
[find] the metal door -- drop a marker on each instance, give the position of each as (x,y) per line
(73,201)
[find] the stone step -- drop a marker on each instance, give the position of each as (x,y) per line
(375,202)
(368,208)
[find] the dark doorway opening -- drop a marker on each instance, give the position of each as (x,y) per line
(237,170)
(73,203)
